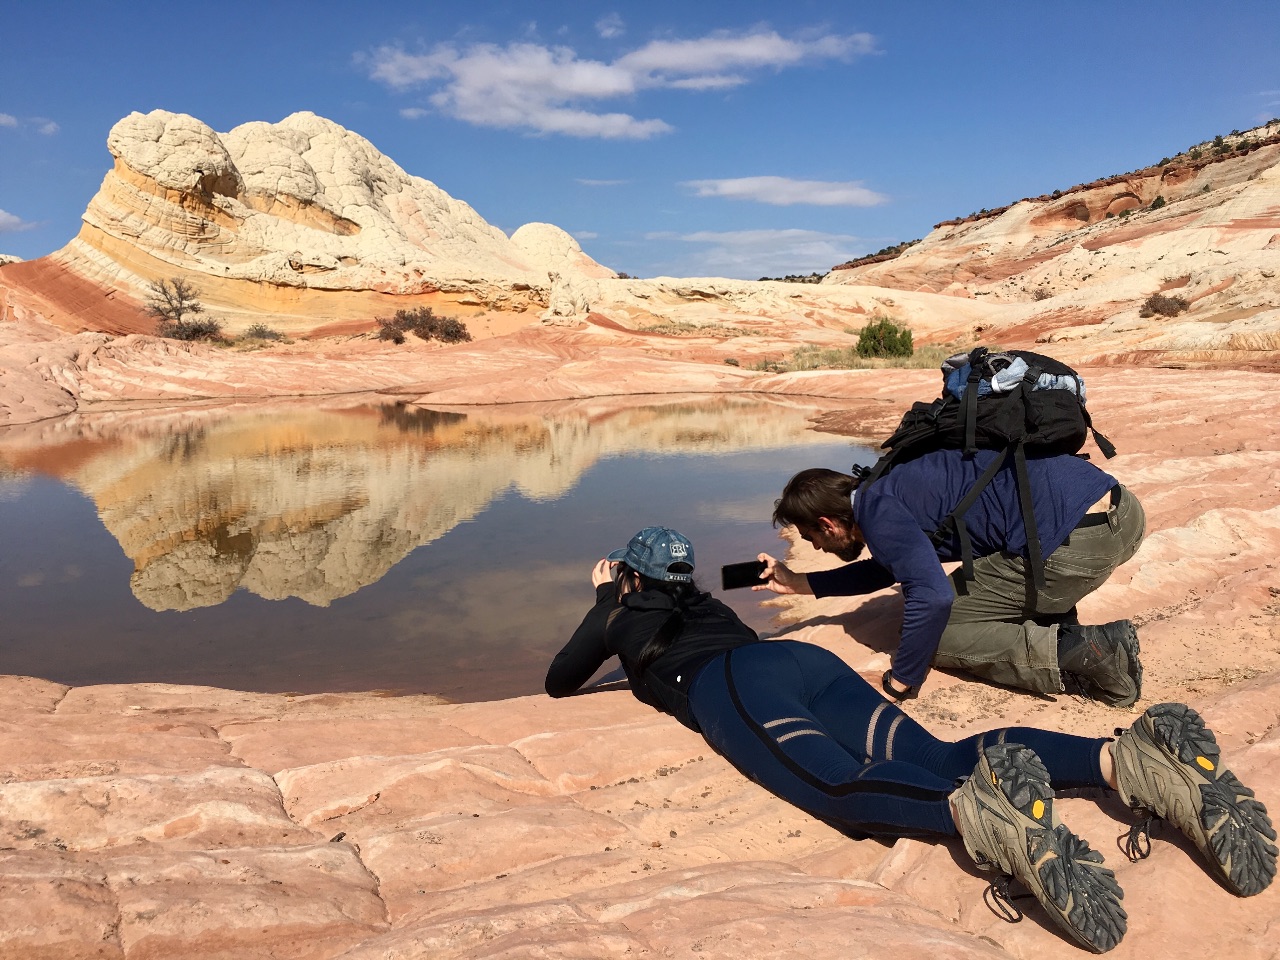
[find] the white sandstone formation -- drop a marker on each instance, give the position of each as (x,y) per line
(300,218)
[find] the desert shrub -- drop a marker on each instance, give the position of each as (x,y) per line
(884,338)
(1040,293)
(175,303)
(388,329)
(732,361)
(1194,153)
(447,330)
(1158,202)
(422,322)
(201,328)
(1159,305)
(814,277)
(260,331)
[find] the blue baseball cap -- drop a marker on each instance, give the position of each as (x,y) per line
(654,551)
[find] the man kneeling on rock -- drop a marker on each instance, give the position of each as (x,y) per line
(998,625)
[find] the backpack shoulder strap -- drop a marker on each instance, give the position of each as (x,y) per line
(955,519)
(1106,446)
(1035,557)
(970,412)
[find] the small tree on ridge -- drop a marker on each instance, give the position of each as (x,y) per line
(175,303)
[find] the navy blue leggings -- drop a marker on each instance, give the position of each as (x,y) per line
(797,720)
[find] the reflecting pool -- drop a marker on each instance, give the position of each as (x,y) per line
(365,545)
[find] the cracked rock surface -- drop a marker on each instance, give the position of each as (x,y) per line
(168,821)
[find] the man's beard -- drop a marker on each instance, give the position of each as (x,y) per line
(852,552)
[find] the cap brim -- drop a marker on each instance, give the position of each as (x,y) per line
(617,555)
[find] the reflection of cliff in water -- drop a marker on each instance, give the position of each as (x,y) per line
(291,502)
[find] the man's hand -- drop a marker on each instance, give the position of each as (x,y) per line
(603,573)
(779,578)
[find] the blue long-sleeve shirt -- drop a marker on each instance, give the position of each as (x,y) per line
(899,512)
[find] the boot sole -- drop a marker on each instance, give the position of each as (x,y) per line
(1207,801)
(1129,642)
(1132,667)
(1059,868)
(1129,661)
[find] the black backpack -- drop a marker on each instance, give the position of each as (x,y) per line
(989,402)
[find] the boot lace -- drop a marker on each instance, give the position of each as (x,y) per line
(1000,899)
(1135,843)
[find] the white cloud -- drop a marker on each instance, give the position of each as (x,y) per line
(749,254)
(11,224)
(586,235)
(413,113)
(726,51)
(42,124)
(611,26)
(601,183)
(549,89)
(785,192)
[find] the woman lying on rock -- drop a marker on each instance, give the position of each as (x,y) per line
(797,720)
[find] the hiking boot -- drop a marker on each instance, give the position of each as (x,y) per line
(1168,766)
(1004,813)
(1101,662)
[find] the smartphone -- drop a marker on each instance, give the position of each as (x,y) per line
(736,575)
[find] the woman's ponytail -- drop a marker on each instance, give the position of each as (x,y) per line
(681,594)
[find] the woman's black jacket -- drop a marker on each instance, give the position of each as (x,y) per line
(622,629)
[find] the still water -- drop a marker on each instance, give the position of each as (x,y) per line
(366,546)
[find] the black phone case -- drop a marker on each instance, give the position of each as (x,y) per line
(734,576)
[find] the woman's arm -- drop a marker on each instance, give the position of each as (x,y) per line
(586,651)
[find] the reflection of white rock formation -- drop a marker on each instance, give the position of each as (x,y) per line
(316,505)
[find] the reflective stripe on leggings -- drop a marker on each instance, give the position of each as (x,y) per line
(904,791)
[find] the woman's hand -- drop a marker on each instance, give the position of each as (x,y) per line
(603,572)
(779,578)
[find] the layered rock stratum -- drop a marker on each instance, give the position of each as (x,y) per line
(151,820)
(141,821)
(1074,267)
(300,222)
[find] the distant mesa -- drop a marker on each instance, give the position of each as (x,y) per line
(301,223)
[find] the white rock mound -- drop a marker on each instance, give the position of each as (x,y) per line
(303,205)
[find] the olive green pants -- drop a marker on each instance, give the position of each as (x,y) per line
(998,632)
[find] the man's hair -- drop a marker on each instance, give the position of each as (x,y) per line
(813,493)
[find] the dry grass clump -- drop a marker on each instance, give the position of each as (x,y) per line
(1159,305)
(811,357)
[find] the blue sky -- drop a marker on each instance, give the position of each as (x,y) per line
(735,139)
